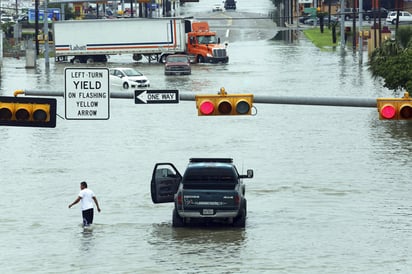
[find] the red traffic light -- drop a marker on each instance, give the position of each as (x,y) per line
(27,112)
(224,104)
(388,111)
(395,108)
(206,107)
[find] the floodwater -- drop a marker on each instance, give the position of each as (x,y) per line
(331,193)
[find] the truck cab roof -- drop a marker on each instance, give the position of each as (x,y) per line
(209,160)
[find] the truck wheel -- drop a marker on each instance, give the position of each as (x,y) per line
(177,221)
(125,85)
(240,220)
(162,59)
(76,60)
(89,60)
(200,59)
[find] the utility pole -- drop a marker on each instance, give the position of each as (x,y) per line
(342,25)
(46,35)
(360,31)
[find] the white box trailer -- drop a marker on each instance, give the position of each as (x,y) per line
(92,40)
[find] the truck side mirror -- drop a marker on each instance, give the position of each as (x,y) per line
(249,173)
(218,40)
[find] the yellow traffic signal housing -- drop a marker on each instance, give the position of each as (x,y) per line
(224,104)
(395,108)
(27,112)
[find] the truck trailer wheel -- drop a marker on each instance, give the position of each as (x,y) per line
(177,221)
(76,60)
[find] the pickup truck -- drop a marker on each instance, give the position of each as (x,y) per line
(210,190)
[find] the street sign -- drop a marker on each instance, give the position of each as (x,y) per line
(53,14)
(87,93)
(156,96)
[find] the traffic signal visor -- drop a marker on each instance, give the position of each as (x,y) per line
(30,112)
(395,108)
(224,104)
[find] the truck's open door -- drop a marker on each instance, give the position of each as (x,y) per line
(165,182)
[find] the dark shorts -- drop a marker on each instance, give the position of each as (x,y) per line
(87,216)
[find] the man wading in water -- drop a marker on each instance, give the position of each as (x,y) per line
(86,196)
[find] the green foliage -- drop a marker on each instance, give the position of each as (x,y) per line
(403,36)
(394,64)
(393,61)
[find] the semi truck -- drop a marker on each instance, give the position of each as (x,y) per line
(88,41)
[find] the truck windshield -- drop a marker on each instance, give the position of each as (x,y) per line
(177,59)
(207,39)
(218,178)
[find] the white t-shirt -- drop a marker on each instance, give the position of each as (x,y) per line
(87,198)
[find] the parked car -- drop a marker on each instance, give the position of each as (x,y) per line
(217,7)
(6,19)
(230,4)
(127,78)
(348,13)
(177,64)
(375,13)
(23,20)
(404,17)
(311,21)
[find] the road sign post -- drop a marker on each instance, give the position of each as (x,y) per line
(87,94)
(156,96)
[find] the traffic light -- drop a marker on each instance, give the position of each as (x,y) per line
(395,108)
(27,112)
(224,104)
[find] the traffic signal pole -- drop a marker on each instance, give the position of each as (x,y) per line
(241,104)
(314,101)
(262,99)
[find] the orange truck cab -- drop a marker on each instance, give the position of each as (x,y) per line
(204,46)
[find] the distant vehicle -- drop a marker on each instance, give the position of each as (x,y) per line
(311,21)
(23,20)
(6,19)
(375,13)
(177,64)
(127,78)
(217,7)
(87,41)
(404,17)
(210,190)
(348,13)
(230,4)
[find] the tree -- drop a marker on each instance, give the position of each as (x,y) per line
(393,61)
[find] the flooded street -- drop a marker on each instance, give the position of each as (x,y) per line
(331,193)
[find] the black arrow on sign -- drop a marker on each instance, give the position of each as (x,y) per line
(156,96)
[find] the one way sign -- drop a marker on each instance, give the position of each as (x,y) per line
(156,96)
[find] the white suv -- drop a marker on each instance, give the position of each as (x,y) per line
(404,17)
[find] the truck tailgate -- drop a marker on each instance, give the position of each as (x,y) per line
(212,199)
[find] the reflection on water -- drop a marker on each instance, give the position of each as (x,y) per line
(288,36)
(222,246)
(87,242)
(164,233)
